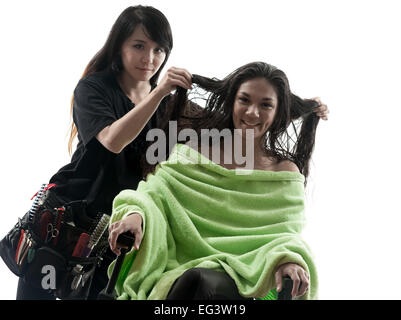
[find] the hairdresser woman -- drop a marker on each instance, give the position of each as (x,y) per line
(115,104)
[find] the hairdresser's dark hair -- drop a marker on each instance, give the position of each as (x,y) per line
(292,112)
(156,27)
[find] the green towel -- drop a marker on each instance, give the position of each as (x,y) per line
(197,213)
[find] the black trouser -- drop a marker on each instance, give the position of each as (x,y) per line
(27,292)
(204,284)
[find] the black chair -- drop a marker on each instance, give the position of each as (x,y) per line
(126,241)
(285,293)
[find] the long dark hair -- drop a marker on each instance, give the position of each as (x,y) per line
(155,26)
(292,133)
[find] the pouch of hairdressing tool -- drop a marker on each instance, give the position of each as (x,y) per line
(39,247)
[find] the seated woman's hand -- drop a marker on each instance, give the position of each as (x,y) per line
(297,274)
(131,223)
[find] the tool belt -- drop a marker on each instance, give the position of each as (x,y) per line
(48,250)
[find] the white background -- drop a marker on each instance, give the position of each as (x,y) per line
(346,52)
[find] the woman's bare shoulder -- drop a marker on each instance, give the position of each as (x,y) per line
(286,165)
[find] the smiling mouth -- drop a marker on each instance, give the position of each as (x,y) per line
(145,69)
(249,124)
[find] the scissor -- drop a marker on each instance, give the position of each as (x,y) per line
(52,232)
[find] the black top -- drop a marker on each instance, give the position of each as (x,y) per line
(96,174)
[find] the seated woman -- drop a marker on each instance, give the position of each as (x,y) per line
(214,227)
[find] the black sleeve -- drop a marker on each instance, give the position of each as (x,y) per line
(92,110)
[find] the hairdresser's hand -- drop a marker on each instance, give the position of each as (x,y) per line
(298,275)
(174,77)
(132,223)
(322,110)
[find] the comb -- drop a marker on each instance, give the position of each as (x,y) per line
(97,234)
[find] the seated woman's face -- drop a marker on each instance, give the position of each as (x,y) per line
(255,106)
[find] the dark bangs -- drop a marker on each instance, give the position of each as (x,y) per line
(157,28)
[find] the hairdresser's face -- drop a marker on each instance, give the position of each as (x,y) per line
(255,106)
(141,56)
